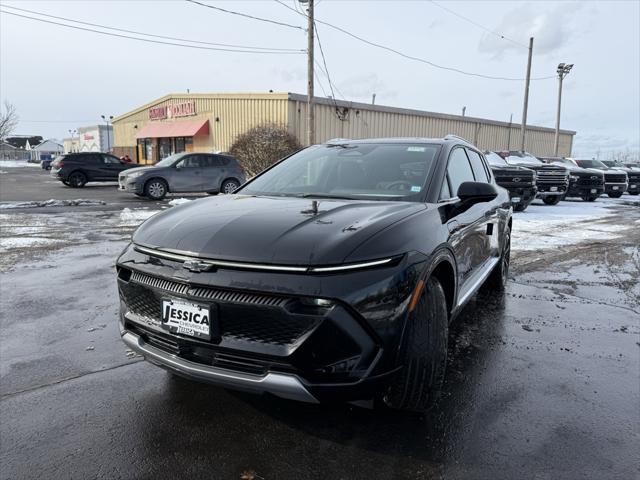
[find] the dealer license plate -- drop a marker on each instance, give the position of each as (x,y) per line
(186,318)
(615,187)
(515,200)
(553,189)
(594,190)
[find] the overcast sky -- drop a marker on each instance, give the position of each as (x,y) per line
(59,78)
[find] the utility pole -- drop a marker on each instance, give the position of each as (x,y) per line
(311,127)
(563,71)
(523,128)
(509,133)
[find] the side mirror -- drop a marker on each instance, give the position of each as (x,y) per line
(476,192)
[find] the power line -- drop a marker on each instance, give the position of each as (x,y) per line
(282,24)
(452,12)
(411,57)
(150,34)
(146,39)
(324,60)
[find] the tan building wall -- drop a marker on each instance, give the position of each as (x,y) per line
(231,114)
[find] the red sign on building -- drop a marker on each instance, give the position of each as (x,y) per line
(185,109)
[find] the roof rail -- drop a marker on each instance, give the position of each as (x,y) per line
(338,140)
(451,136)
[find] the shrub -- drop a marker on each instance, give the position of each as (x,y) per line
(262,146)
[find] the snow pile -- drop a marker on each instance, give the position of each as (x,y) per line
(51,203)
(542,226)
(178,201)
(9,243)
(132,218)
(17,164)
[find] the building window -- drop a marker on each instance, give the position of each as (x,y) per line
(179,142)
(145,148)
(164,147)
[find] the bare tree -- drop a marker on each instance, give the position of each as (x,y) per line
(262,146)
(8,120)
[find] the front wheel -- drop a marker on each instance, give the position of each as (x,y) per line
(615,194)
(633,193)
(229,186)
(423,353)
(156,189)
(589,198)
(552,200)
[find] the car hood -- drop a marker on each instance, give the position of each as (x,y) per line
(510,169)
(275,230)
(138,169)
(584,171)
(543,167)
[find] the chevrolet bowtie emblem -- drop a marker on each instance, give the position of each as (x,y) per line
(196,266)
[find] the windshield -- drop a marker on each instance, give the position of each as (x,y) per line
(170,160)
(591,164)
(494,159)
(516,158)
(563,161)
(610,163)
(374,171)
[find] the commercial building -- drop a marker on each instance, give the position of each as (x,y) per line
(211,122)
(95,138)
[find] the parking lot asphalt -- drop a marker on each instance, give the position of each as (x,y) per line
(542,382)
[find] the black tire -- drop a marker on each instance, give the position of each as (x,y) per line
(499,277)
(139,194)
(633,193)
(77,180)
(520,207)
(590,198)
(614,195)
(554,200)
(230,185)
(65,183)
(156,189)
(423,354)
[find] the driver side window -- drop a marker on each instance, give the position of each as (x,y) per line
(192,161)
(459,170)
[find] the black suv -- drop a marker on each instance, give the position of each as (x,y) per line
(633,174)
(585,183)
(616,181)
(76,169)
(332,275)
(519,181)
(552,181)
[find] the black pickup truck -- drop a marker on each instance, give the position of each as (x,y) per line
(616,181)
(519,181)
(552,181)
(633,173)
(586,183)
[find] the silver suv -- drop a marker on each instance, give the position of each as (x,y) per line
(184,173)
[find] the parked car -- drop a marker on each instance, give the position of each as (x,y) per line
(633,175)
(552,181)
(184,172)
(332,275)
(616,181)
(585,183)
(45,164)
(519,181)
(77,169)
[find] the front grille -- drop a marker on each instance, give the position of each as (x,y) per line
(208,354)
(551,177)
(243,317)
(615,177)
(510,181)
(590,181)
(634,177)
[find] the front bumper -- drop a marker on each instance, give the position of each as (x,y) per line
(615,187)
(267,340)
(281,385)
(522,196)
(130,186)
(551,190)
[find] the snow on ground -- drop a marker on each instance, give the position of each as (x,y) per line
(132,218)
(8,243)
(545,226)
(51,203)
(178,201)
(17,164)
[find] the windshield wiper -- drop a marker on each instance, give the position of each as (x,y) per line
(323,195)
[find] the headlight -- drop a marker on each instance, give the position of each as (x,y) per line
(133,175)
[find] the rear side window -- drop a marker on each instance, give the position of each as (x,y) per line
(479,170)
(459,170)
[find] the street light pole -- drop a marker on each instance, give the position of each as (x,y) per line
(108,121)
(563,71)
